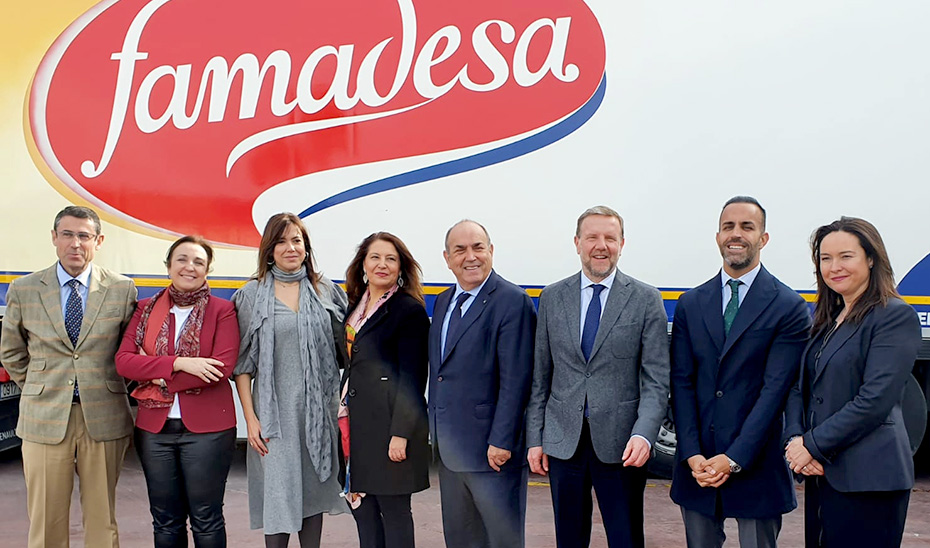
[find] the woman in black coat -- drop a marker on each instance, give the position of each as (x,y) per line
(844,418)
(383,391)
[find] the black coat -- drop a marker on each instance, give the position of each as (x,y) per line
(387,381)
(728,394)
(851,419)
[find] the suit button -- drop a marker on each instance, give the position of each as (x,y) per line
(712,428)
(71,382)
(76,356)
(588,374)
(581,408)
(355,349)
(819,400)
(351,392)
(439,379)
(719,394)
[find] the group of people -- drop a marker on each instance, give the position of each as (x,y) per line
(332,387)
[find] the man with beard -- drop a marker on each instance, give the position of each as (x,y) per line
(600,387)
(736,345)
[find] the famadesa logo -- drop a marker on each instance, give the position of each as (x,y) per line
(149,109)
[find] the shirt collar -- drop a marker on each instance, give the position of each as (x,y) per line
(606,282)
(64,277)
(746,278)
(473,291)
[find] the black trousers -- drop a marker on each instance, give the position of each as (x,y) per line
(833,519)
(484,509)
(619,497)
(186,477)
(384,521)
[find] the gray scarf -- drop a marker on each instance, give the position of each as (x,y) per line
(317,354)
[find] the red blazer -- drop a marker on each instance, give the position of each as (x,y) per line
(212,410)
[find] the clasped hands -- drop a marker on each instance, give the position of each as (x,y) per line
(800,460)
(206,369)
(712,472)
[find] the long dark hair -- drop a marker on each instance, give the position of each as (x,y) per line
(881,277)
(409,269)
(275,228)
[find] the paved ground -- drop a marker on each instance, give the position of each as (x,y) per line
(663,521)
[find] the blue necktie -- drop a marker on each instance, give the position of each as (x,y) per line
(455,320)
(732,306)
(591,320)
(74,315)
(74,312)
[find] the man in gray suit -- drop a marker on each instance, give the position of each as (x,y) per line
(600,387)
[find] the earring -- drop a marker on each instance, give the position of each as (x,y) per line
(400,282)
(365,278)
(271,262)
(306,255)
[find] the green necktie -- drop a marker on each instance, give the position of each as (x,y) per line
(732,306)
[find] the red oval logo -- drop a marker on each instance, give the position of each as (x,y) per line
(151,109)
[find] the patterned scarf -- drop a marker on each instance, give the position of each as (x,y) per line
(156,344)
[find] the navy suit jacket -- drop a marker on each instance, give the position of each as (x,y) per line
(478,394)
(728,394)
(851,415)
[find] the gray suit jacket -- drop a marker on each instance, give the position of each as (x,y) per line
(625,381)
(36,351)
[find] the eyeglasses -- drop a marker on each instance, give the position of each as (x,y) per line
(84,237)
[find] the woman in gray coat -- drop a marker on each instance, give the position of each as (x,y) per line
(287,316)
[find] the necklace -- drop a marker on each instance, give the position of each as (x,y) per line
(826,339)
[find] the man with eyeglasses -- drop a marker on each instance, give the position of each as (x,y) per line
(60,334)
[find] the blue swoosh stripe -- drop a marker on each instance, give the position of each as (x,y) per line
(461,165)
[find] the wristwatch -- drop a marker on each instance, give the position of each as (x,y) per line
(734,468)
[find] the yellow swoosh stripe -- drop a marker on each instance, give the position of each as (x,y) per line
(668,295)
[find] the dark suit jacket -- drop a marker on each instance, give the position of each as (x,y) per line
(387,380)
(36,351)
(212,410)
(478,394)
(728,394)
(852,422)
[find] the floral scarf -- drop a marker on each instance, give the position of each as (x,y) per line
(152,336)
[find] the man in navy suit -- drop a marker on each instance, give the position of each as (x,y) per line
(481,366)
(736,344)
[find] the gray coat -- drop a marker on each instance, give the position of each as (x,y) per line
(625,381)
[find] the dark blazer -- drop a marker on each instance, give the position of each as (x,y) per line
(728,394)
(387,379)
(478,394)
(853,423)
(211,410)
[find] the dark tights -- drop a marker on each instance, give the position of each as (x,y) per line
(309,535)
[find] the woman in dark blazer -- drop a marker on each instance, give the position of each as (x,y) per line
(383,390)
(844,419)
(182,345)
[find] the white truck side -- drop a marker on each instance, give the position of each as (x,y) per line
(409,115)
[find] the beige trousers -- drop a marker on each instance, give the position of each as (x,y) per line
(49,471)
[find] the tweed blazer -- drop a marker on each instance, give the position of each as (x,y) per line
(37,353)
(625,381)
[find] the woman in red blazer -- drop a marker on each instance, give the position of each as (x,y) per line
(182,345)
